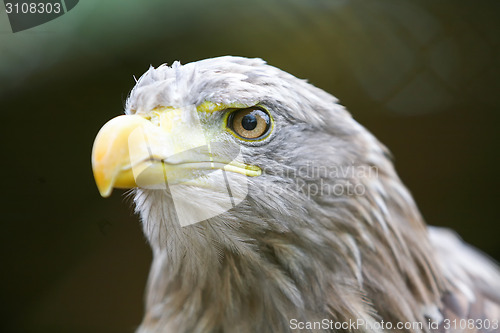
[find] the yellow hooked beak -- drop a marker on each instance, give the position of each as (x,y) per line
(147,151)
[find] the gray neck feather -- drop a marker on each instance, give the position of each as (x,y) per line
(273,267)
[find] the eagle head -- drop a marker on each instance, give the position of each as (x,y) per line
(264,201)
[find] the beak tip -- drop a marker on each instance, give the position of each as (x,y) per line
(111,153)
(105,193)
(104,189)
(104,184)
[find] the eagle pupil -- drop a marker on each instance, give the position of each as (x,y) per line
(249,122)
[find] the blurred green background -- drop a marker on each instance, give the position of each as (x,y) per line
(423,76)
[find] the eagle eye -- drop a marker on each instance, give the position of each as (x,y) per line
(250,124)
